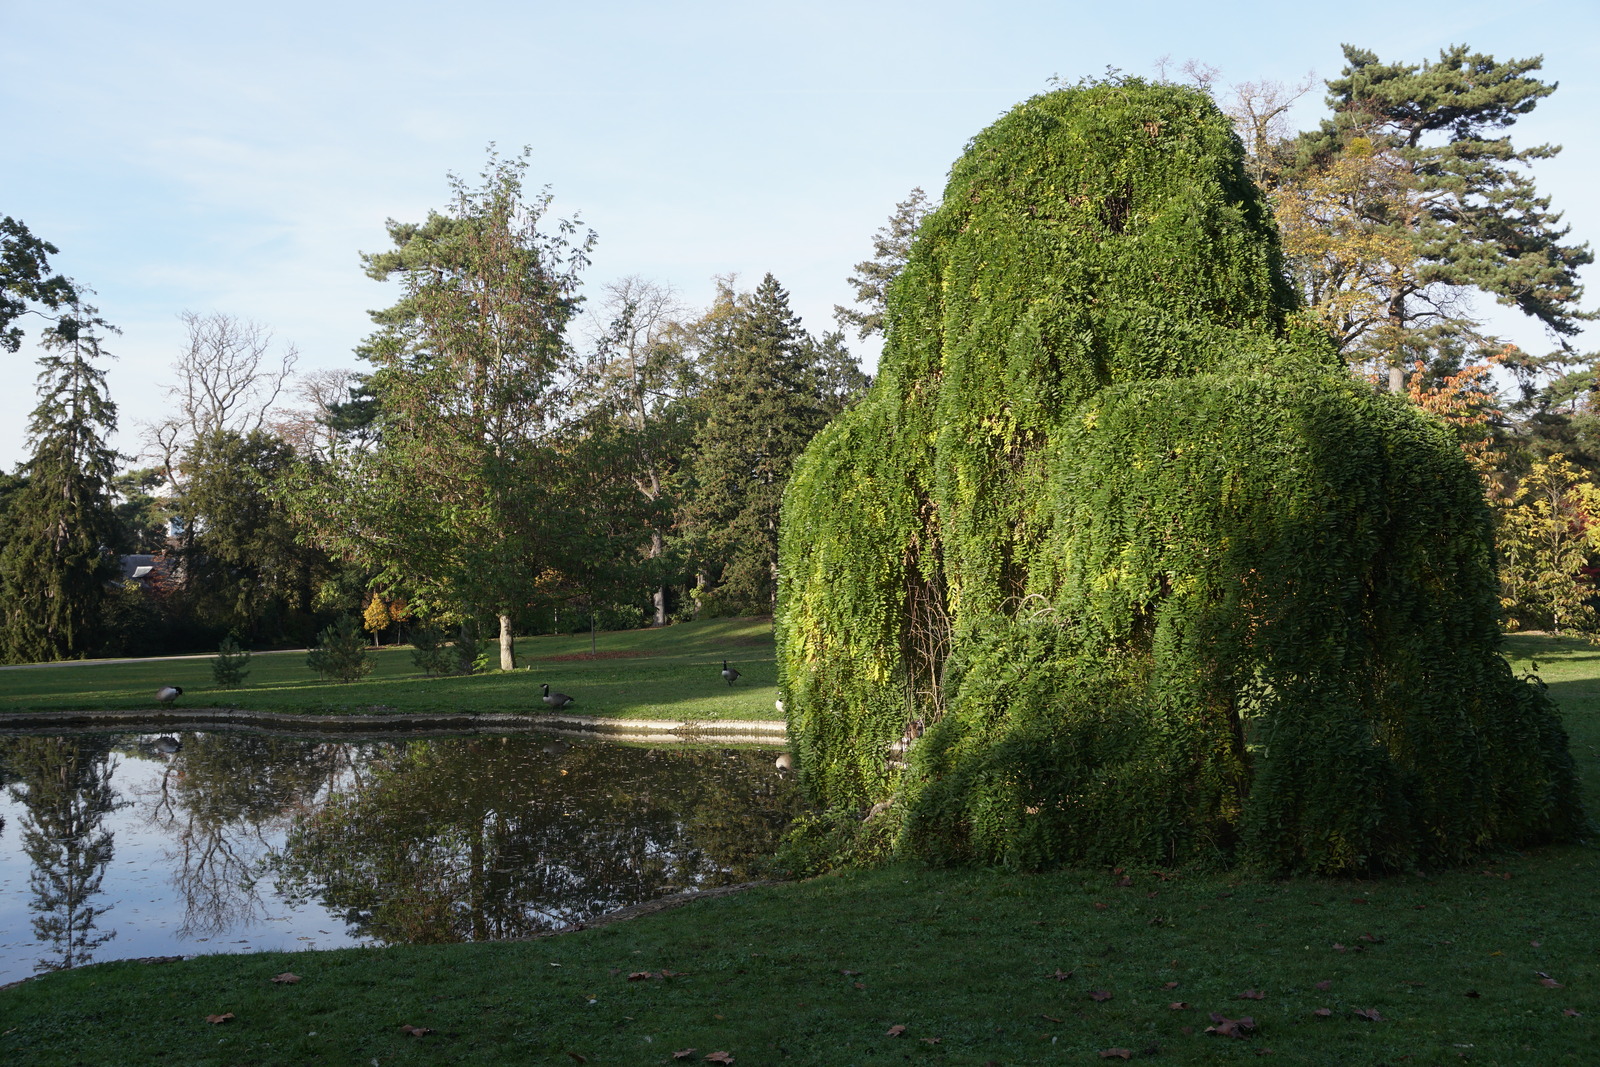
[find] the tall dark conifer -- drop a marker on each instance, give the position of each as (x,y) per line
(56,561)
(1444,202)
(764,408)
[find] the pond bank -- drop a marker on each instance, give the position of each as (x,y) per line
(379,722)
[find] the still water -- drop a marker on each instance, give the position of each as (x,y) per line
(126,845)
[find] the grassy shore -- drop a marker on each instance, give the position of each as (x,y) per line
(670,673)
(1496,964)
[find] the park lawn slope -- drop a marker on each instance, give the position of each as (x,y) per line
(1492,964)
(673,673)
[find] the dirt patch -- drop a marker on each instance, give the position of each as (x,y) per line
(574,656)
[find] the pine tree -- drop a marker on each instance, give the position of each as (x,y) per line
(764,408)
(1430,206)
(890,247)
(25,279)
(56,562)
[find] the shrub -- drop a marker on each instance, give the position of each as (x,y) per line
(232,664)
(430,650)
(341,652)
(468,651)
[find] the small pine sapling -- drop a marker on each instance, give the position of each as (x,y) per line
(341,652)
(228,670)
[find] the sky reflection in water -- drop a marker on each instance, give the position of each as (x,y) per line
(113,847)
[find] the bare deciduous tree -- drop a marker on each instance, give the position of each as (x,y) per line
(228,379)
(309,427)
(640,366)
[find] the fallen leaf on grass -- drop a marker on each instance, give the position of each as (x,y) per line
(1372,1015)
(1572,1013)
(1473,993)
(1325,985)
(1550,983)
(1322,1013)
(1116,1053)
(224,1017)
(1251,994)
(1178,1005)
(895,1030)
(861,985)
(1060,975)
(415,1031)
(1099,906)
(1170,985)
(577,1058)
(1050,1018)
(286,978)
(639,976)
(1100,995)
(932,1040)
(684,1053)
(849,974)
(1339,948)
(719,1057)
(1226,1027)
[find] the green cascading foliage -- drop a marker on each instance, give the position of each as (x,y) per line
(1158,580)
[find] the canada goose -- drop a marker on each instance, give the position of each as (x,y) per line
(168,693)
(556,700)
(729,673)
(161,746)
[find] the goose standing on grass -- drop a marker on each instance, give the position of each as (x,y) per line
(168,693)
(556,700)
(729,673)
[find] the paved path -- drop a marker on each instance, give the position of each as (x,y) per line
(137,659)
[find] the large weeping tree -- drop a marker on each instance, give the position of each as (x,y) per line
(471,369)
(56,562)
(1116,562)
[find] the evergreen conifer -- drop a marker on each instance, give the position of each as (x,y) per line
(764,407)
(56,566)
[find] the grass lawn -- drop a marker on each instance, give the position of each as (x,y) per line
(1495,964)
(670,673)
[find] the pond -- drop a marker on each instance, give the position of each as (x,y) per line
(129,845)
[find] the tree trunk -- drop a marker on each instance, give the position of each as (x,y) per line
(508,648)
(659,597)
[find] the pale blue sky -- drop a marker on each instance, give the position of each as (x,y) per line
(237,159)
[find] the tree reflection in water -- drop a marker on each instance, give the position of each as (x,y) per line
(220,799)
(485,838)
(64,787)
